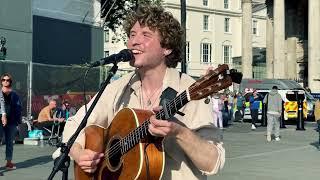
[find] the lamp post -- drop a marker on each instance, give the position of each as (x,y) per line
(183,24)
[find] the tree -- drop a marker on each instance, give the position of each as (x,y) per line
(115,11)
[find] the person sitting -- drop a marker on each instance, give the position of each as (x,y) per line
(46,119)
(65,111)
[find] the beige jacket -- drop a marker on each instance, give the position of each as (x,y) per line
(126,92)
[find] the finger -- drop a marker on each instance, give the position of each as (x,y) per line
(156,109)
(160,123)
(156,131)
(89,164)
(88,169)
(92,155)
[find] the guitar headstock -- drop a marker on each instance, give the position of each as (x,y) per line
(214,81)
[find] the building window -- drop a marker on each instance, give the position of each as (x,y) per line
(205,22)
(226,4)
(227,50)
(226,24)
(188,51)
(255,27)
(106,53)
(106,35)
(206,52)
(205,2)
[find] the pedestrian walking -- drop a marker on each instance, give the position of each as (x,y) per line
(12,106)
(273,102)
(254,108)
(240,107)
(217,105)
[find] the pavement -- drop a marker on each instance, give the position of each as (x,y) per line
(248,156)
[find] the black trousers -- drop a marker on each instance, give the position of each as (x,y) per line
(48,125)
(254,115)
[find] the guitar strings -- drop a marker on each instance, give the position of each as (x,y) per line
(116,147)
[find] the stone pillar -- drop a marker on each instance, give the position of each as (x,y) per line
(269,40)
(278,32)
(246,38)
(291,58)
(314,45)
(291,23)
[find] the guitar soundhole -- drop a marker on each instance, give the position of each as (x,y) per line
(114,153)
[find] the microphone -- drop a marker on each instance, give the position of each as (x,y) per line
(123,56)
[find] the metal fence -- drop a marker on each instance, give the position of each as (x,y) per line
(36,83)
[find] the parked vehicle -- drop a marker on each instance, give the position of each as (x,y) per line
(288,89)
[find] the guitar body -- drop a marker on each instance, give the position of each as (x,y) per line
(144,159)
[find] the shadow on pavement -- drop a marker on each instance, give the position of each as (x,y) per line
(30,162)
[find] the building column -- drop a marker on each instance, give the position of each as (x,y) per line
(246,59)
(314,45)
(279,41)
(269,40)
(291,68)
(291,21)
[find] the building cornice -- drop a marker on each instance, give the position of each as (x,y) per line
(204,10)
(211,11)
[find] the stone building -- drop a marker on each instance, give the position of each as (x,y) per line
(213,34)
(293,41)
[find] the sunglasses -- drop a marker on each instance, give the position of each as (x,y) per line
(8,80)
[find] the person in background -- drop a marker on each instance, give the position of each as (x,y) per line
(46,119)
(225,111)
(3,49)
(254,108)
(217,105)
(12,107)
(273,102)
(317,118)
(65,111)
(241,105)
(231,105)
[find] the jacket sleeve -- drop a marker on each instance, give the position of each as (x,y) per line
(2,106)
(18,109)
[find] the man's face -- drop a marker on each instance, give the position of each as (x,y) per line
(6,81)
(145,45)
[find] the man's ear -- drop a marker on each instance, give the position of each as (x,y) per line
(167,52)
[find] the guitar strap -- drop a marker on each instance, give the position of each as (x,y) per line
(167,95)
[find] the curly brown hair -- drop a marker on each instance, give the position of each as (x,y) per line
(156,18)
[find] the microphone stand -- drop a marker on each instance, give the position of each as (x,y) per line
(62,162)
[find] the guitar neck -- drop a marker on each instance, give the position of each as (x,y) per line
(171,108)
(141,132)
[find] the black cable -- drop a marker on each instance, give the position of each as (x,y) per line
(84,89)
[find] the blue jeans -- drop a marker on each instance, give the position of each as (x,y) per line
(9,132)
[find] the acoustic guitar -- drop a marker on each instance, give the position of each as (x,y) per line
(130,151)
